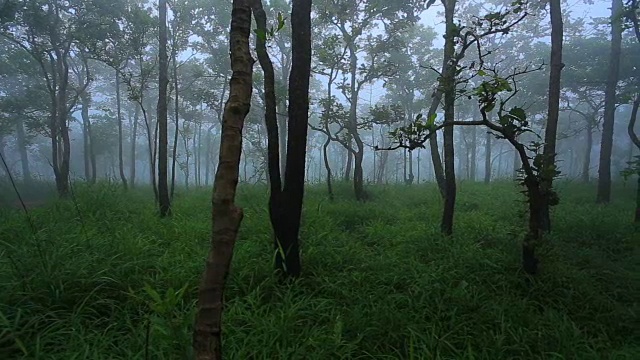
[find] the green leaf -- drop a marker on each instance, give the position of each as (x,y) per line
(518,113)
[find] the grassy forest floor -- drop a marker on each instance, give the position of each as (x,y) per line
(105,278)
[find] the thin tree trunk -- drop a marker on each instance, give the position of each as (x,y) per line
(226,217)
(327,166)
(163,64)
(487,158)
(22,149)
(449,89)
(123,178)
(551,129)
(636,142)
(606,147)
(84,113)
(176,118)
(134,137)
(586,164)
(474,154)
(349,165)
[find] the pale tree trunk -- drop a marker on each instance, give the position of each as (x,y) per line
(487,158)
(586,163)
(22,149)
(474,149)
(606,147)
(84,112)
(226,217)
(134,136)
(176,119)
(123,178)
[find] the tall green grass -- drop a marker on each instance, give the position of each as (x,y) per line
(102,277)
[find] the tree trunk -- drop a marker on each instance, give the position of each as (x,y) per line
(293,190)
(487,158)
(347,169)
(84,112)
(606,147)
(449,92)
(474,155)
(226,217)
(176,118)
(134,136)
(636,142)
(22,149)
(327,166)
(586,164)
(551,130)
(163,64)
(123,178)
(517,164)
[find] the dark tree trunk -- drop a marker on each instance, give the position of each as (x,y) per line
(635,140)
(517,164)
(606,147)
(163,64)
(551,130)
(226,217)
(299,80)
(285,203)
(449,92)
(123,178)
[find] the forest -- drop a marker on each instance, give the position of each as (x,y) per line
(319,179)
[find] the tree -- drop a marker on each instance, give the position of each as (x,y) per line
(604,169)
(48,30)
(352,20)
(226,217)
(163,64)
(285,200)
(551,130)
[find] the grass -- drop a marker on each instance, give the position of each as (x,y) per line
(105,278)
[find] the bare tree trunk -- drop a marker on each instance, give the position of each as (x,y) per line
(606,147)
(349,165)
(123,178)
(474,153)
(551,129)
(586,164)
(327,166)
(176,118)
(635,140)
(449,90)
(163,64)
(22,149)
(226,217)
(487,158)
(134,136)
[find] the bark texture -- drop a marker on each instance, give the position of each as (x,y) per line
(606,146)
(163,64)
(226,217)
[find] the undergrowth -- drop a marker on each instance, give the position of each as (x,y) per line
(102,277)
